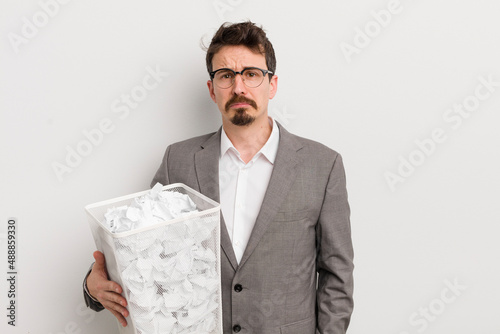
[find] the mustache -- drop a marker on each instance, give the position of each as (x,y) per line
(240,99)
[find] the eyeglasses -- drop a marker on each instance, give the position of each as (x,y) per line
(252,77)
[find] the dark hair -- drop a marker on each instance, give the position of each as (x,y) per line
(244,33)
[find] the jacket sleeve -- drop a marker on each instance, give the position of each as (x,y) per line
(91,303)
(335,256)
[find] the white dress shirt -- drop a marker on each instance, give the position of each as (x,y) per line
(243,186)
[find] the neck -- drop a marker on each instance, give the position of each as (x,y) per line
(248,140)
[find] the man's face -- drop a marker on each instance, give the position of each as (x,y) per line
(239,104)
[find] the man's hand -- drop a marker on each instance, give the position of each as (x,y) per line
(107,292)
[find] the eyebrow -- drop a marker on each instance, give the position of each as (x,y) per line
(244,68)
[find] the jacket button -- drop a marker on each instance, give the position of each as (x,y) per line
(238,288)
(236,328)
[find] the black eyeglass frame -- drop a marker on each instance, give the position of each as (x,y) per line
(264,72)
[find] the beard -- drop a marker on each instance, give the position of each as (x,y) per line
(241,117)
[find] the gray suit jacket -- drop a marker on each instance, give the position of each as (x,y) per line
(295,276)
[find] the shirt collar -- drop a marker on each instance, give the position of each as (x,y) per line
(269,150)
(225,143)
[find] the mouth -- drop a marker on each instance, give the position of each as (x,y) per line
(239,105)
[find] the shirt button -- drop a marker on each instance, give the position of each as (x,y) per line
(238,288)
(236,328)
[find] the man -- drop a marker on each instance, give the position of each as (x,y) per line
(286,251)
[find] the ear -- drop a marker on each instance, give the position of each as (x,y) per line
(210,86)
(273,86)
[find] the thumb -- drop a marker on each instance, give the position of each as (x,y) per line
(100,262)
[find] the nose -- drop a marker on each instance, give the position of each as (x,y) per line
(238,86)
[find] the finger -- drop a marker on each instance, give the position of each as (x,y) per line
(112,298)
(100,261)
(120,317)
(115,307)
(98,283)
(106,285)
(112,306)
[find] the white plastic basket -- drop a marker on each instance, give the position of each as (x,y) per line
(169,272)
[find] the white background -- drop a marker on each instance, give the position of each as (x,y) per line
(440,224)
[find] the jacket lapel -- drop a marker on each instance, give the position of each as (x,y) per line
(282,178)
(207,172)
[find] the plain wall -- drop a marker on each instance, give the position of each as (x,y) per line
(400,89)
